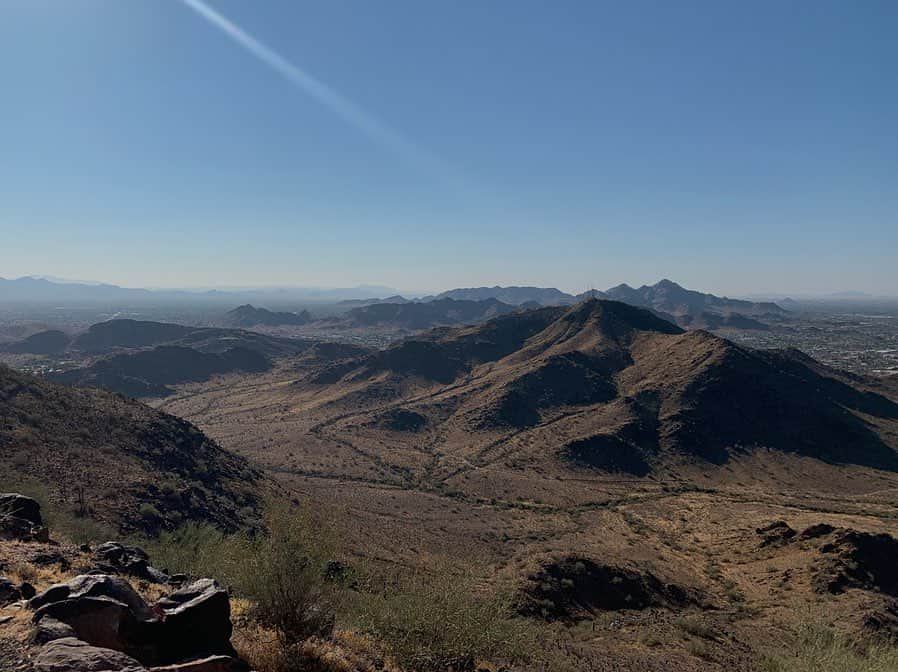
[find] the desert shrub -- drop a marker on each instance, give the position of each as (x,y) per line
(148,512)
(440,620)
(819,649)
(284,576)
(281,571)
(696,626)
(193,548)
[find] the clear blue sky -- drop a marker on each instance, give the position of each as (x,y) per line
(732,146)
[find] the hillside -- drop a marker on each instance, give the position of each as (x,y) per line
(139,469)
(106,336)
(622,389)
(611,465)
(143,359)
(516,296)
(418,316)
(148,373)
(50,342)
(248,315)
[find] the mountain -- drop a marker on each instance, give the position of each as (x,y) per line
(105,336)
(142,359)
(685,305)
(139,469)
(41,289)
(607,386)
(417,315)
(31,289)
(51,342)
(148,373)
(544,296)
(248,315)
(356,303)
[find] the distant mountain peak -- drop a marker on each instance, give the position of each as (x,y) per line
(248,315)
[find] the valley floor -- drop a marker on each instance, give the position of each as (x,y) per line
(412,503)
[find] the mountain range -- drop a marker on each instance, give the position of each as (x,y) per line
(605,385)
(687,308)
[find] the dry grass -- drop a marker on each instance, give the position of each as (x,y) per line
(820,649)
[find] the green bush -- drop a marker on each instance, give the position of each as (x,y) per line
(281,571)
(440,620)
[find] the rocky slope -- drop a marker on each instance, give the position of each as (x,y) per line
(102,456)
(622,390)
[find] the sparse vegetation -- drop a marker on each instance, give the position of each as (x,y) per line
(820,649)
(441,619)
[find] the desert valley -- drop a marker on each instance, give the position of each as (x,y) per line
(448,336)
(652,494)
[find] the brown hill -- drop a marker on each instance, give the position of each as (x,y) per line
(138,468)
(148,373)
(48,342)
(249,316)
(620,389)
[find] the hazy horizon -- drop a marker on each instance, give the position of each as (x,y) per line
(373,289)
(736,149)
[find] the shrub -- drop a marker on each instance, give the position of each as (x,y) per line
(281,571)
(819,649)
(440,620)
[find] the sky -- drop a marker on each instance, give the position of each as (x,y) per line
(735,147)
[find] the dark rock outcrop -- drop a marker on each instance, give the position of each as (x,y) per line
(854,559)
(199,612)
(20,506)
(73,655)
(92,585)
(777,533)
(103,611)
(49,629)
(9,592)
(115,558)
(572,587)
(20,519)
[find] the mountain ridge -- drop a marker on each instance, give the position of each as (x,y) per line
(620,385)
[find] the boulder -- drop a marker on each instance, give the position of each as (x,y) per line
(28,591)
(20,518)
(49,629)
(189,630)
(103,611)
(45,558)
(20,506)
(9,592)
(73,655)
(117,558)
(19,529)
(196,620)
(101,621)
(93,585)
